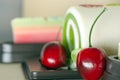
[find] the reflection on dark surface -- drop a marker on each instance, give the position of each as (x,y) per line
(28,54)
(10,52)
(35,70)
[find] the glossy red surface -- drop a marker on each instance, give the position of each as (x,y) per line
(54,56)
(91,63)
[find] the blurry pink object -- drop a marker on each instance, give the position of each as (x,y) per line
(36,33)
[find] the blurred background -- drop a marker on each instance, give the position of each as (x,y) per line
(10,9)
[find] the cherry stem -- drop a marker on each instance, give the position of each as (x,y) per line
(58,34)
(90,43)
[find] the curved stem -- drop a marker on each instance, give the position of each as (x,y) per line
(58,34)
(90,43)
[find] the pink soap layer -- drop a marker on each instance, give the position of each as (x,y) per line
(36,38)
(36,34)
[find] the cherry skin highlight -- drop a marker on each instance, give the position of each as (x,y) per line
(91,63)
(53,55)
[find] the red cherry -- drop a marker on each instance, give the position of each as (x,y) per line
(53,55)
(91,63)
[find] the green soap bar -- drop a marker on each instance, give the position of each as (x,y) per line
(113,4)
(27,21)
(74,54)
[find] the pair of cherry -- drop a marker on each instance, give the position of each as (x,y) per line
(90,61)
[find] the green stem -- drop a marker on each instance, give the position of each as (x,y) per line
(90,43)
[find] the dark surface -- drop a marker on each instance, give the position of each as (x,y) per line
(23,47)
(28,55)
(113,65)
(19,52)
(112,71)
(108,76)
(35,71)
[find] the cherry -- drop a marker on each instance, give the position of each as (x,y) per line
(91,61)
(53,55)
